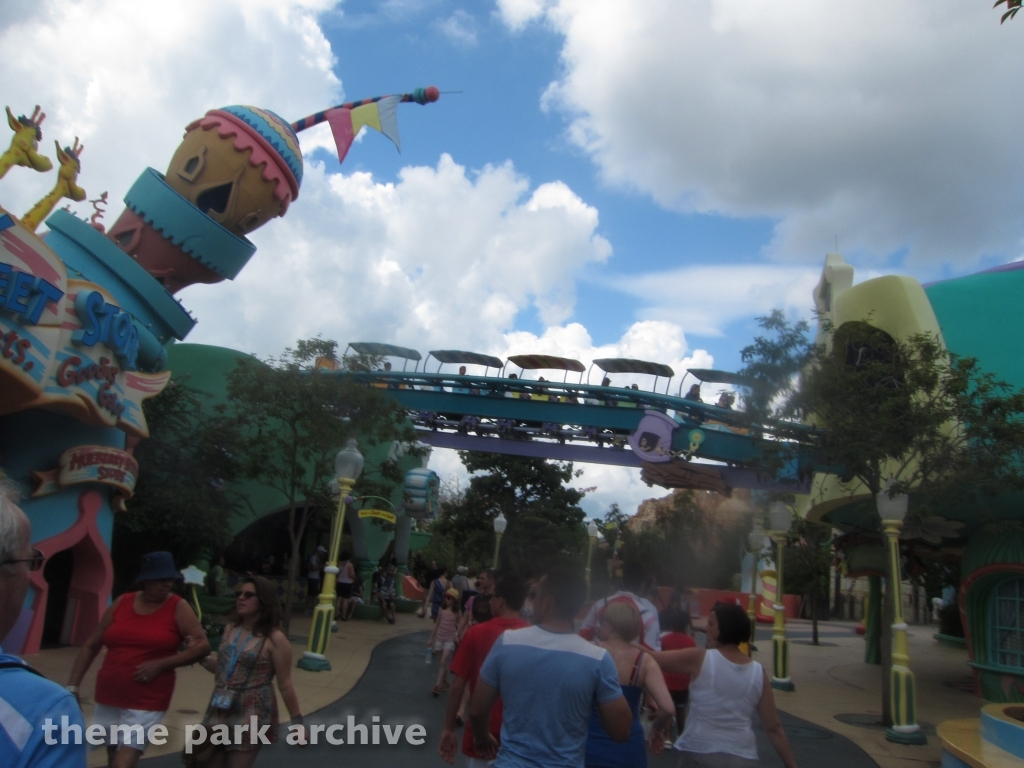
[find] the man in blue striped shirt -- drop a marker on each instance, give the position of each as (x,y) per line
(548,678)
(28,701)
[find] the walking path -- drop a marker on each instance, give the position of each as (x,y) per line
(397,685)
(832,717)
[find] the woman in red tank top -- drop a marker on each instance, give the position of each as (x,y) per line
(142,632)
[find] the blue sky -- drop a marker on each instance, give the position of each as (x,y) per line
(636,179)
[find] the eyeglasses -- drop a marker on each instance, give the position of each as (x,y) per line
(34,563)
(245,595)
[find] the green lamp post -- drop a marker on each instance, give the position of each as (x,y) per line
(781,522)
(348,465)
(902,697)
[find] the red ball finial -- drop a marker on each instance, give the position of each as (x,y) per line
(432,93)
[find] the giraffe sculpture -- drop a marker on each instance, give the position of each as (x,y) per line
(25,143)
(65,186)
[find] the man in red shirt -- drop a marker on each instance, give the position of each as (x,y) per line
(506,599)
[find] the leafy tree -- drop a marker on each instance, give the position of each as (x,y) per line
(295,417)
(1012,6)
(545,521)
(183,501)
(903,414)
(808,563)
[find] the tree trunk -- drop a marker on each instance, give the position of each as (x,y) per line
(293,573)
(837,608)
(293,569)
(814,610)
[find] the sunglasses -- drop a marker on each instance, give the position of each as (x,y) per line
(34,563)
(245,595)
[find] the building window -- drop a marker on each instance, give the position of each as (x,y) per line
(1008,624)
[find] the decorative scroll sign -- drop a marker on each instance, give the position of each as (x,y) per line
(90,464)
(379,514)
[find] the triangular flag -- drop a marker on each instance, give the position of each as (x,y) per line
(388,109)
(341,126)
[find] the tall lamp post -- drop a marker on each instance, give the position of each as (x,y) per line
(781,521)
(902,698)
(500,524)
(348,465)
(756,541)
(591,540)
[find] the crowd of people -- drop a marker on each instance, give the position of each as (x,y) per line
(545,689)
(531,685)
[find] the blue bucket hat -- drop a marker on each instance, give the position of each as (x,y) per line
(157,566)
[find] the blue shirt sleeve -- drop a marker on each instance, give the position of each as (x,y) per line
(38,754)
(607,688)
(491,670)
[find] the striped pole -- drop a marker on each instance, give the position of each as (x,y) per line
(780,643)
(420,96)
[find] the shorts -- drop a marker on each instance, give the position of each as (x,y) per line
(714,760)
(312,587)
(448,645)
(680,698)
(344,590)
(108,716)
(387,595)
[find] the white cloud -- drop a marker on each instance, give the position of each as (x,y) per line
(460,28)
(441,258)
(127,77)
(518,13)
(887,122)
(705,299)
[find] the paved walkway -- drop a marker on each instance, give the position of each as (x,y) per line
(834,710)
(397,685)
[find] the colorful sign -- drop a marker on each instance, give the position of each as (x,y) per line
(380,514)
(90,464)
(65,344)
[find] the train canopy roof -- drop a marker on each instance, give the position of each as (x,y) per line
(465,358)
(540,362)
(628,365)
(376,349)
(709,376)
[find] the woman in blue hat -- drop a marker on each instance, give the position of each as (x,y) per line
(142,632)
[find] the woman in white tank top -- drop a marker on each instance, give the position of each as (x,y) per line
(726,687)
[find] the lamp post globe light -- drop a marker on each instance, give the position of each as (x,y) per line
(348,465)
(500,524)
(781,521)
(756,540)
(591,540)
(902,696)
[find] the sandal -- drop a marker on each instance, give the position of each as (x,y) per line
(436,692)
(459,721)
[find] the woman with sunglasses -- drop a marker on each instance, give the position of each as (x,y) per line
(142,632)
(253,651)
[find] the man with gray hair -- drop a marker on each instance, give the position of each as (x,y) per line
(40,722)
